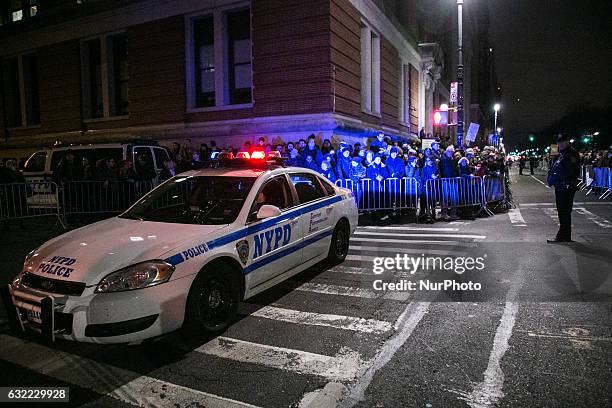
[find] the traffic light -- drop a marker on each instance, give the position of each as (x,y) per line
(586,139)
(440,118)
(531,138)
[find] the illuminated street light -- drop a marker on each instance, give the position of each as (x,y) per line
(496,108)
(572,140)
(596,134)
(499,130)
(444,107)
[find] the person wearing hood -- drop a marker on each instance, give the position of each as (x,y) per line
(311,164)
(312,150)
(357,170)
(412,168)
(327,171)
(329,158)
(343,166)
(395,164)
(377,169)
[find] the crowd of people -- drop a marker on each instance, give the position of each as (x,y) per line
(596,158)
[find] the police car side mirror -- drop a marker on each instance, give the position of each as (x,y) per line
(267,211)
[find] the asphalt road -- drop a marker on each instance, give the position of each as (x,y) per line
(537,333)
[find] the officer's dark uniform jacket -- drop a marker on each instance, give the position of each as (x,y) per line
(565,171)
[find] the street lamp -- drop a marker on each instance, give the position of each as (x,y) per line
(496,108)
(460,74)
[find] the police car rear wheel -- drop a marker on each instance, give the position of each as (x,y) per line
(340,243)
(212,303)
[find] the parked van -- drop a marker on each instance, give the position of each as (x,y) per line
(41,165)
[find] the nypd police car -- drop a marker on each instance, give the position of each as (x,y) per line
(184,255)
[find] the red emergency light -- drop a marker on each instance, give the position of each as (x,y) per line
(440,118)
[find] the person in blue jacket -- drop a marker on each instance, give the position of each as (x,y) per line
(312,149)
(310,163)
(395,164)
(294,158)
(377,169)
(378,143)
(343,167)
(428,172)
(327,171)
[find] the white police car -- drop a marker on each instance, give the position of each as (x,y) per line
(184,255)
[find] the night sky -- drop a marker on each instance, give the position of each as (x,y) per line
(550,54)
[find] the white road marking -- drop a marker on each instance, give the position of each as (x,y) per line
(489,391)
(411,241)
(540,181)
(516,218)
(344,366)
(338,290)
(407,228)
(357,324)
(105,379)
(552,213)
(406,323)
(602,222)
(391,234)
(400,251)
(551,203)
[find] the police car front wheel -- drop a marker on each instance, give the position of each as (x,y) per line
(212,303)
(339,246)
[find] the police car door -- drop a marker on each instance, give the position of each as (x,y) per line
(317,215)
(274,241)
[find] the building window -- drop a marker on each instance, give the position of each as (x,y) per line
(239,56)
(18,10)
(105,76)
(219,59)
(404,102)
(204,42)
(22,101)
(370,70)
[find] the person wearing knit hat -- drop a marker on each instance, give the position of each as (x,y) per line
(395,164)
(377,170)
(343,166)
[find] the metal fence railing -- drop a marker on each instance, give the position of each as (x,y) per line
(29,200)
(455,192)
(388,194)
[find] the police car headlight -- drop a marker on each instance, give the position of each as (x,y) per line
(138,276)
(28,262)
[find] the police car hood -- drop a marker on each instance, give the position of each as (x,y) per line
(90,253)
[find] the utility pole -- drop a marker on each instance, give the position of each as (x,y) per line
(460,74)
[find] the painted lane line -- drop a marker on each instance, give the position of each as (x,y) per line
(357,324)
(552,213)
(344,366)
(602,222)
(412,241)
(398,250)
(432,229)
(338,290)
(406,323)
(540,181)
(490,391)
(516,218)
(105,379)
(390,234)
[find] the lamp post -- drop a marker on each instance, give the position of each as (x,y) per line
(460,74)
(496,108)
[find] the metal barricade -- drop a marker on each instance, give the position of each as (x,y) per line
(600,181)
(28,200)
(100,197)
(455,192)
(494,191)
(388,194)
(609,189)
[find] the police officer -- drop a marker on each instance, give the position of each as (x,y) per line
(563,175)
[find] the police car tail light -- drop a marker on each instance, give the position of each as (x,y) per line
(138,276)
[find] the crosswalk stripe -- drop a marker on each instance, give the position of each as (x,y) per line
(105,379)
(408,228)
(344,366)
(412,241)
(602,222)
(516,218)
(398,250)
(327,289)
(357,324)
(391,234)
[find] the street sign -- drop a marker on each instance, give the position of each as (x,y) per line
(453,92)
(425,143)
(472,132)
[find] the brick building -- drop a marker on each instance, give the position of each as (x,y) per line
(225,70)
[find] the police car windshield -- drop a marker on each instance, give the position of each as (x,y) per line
(202,200)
